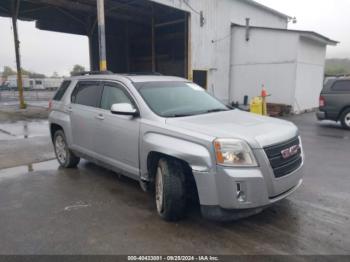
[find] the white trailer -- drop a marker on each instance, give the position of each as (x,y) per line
(37,84)
(52,83)
(34,83)
(11,82)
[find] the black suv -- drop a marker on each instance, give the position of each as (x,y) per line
(335,101)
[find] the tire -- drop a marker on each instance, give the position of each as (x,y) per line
(170,190)
(345,119)
(64,155)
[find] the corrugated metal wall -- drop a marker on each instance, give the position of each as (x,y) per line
(210,44)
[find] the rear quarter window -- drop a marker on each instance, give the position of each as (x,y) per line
(61,91)
(341,86)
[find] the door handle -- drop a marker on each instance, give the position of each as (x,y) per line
(100,117)
(69,109)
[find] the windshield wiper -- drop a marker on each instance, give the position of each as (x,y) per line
(180,115)
(199,113)
(216,110)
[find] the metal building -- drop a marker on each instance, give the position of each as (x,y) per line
(230,47)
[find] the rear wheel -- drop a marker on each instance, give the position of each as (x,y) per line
(345,119)
(170,190)
(64,155)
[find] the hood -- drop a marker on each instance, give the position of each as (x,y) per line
(258,131)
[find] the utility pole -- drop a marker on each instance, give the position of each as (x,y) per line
(18,56)
(153,43)
(101,34)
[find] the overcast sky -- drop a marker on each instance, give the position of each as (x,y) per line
(327,17)
(47,52)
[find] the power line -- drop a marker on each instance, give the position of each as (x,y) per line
(194,10)
(200,13)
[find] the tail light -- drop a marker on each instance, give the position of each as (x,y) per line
(322,101)
(50,104)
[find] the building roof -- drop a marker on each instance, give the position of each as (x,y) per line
(266,8)
(306,34)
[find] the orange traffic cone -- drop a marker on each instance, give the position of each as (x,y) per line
(264,92)
(264,104)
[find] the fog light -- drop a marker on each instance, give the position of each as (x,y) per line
(241,193)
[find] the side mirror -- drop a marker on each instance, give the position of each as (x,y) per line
(124,109)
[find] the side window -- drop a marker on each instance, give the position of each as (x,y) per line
(341,85)
(87,94)
(61,91)
(114,94)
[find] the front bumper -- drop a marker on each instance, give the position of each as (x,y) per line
(218,192)
(218,213)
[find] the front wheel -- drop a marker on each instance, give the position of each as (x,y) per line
(170,193)
(64,155)
(345,119)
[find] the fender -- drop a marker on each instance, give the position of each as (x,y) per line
(63,120)
(196,155)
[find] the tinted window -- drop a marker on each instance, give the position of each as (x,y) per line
(87,94)
(343,85)
(61,91)
(113,94)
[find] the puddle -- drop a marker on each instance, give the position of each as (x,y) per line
(15,172)
(24,129)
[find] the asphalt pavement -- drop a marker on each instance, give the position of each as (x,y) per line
(90,210)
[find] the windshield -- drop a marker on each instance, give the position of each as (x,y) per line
(178,99)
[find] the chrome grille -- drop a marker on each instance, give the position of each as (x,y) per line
(280,164)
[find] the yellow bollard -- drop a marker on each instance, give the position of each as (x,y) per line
(256,105)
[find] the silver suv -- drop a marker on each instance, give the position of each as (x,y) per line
(179,141)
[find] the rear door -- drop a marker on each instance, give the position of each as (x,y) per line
(84,109)
(117,138)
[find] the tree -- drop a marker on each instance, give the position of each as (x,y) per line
(77,69)
(36,75)
(337,66)
(8,72)
(31,74)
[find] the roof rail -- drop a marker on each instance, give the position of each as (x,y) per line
(144,73)
(92,73)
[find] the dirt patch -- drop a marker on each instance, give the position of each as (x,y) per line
(14,114)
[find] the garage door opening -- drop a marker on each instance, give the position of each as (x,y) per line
(152,38)
(141,35)
(200,77)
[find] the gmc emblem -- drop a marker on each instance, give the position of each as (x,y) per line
(289,152)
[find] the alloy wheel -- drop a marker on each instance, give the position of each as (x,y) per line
(159,190)
(347,119)
(61,149)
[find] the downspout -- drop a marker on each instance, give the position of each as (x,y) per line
(230,66)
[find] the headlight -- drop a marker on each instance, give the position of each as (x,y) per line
(234,152)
